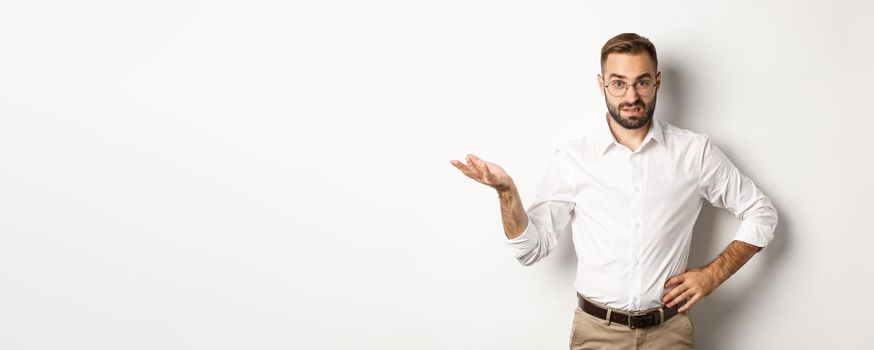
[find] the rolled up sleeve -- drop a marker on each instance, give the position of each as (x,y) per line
(549,215)
(724,186)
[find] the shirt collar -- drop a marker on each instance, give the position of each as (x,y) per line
(605,136)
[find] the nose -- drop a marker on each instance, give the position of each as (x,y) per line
(631,94)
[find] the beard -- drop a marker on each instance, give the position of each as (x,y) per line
(632,122)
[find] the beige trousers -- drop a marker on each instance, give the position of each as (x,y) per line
(590,332)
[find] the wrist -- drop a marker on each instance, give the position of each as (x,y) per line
(717,274)
(507,189)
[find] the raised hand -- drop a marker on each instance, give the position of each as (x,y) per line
(484,172)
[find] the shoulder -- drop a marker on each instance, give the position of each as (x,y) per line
(586,140)
(683,137)
(570,144)
(578,150)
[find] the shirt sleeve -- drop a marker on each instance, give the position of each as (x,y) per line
(549,215)
(724,186)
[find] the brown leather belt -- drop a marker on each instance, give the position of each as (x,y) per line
(648,319)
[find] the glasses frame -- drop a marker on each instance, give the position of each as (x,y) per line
(654,86)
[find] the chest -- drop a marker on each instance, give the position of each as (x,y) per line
(621,179)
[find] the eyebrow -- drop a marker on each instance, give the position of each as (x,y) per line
(647,74)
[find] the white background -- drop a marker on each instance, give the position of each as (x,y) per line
(275,175)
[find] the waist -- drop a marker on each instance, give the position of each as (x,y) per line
(631,290)
(637,319)
(622,299)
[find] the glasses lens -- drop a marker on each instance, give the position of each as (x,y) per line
(642,88)
(616,89)
(645,88)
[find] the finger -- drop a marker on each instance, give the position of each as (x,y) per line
(674,293)
(487,173)
(676,280)
(481,167)
(471,166)
(472,159)
(677,289)
(685,296)
(689,303)
(464,169)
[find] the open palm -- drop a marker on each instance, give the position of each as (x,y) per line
(484,172)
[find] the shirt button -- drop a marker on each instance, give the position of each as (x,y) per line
(636,189)
(636,262)
(636,225)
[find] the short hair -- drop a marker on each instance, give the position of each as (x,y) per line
(629,43)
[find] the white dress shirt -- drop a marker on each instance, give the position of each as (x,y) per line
(631,213)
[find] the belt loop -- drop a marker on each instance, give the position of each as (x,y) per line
(661,315)
(609,312)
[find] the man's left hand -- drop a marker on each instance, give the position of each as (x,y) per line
(692,286)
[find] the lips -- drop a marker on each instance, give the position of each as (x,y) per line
(634,109)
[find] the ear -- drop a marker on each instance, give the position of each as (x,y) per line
(601,84)
(658,80)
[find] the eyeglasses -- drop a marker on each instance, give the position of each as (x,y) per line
(617,88)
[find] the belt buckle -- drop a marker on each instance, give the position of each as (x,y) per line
(631,323)
(641,320)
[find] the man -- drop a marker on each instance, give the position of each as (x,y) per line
(630,192)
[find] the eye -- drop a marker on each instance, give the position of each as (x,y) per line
(644,83)
(617,84)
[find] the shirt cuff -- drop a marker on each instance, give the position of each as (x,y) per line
(525,243)
(757,234)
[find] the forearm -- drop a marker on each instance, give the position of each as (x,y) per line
(731,259)
(512,213)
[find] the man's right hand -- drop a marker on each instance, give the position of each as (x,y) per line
(484,172)
(513,215)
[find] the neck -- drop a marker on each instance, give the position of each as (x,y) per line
(631,138)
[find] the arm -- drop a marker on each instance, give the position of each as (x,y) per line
(731,259)
(695,284)
(724,186)
(513,215)
(531,234)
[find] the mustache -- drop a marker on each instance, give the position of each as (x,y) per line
(638,103)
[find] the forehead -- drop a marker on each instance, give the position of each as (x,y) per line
(628,65)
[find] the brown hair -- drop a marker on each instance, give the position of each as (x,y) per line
(629,43)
